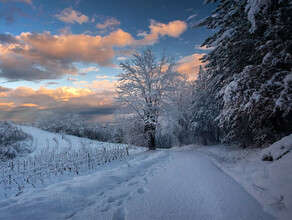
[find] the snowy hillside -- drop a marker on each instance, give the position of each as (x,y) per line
(56,157)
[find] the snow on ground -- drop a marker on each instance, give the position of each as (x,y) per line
(57,158)
(163,184)
(269,182)
(44,139)
(180,183)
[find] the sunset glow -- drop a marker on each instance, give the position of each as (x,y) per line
(63,56)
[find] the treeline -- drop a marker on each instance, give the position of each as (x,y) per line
(245,94)
(242,96)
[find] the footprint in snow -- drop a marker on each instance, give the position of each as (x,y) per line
(140,190)
(105,209)
(70,215)
(133,183)
(112,199)
(120,214)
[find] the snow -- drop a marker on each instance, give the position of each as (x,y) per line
(56,158)
(253,7)
(164,184)
(44,139)
(190,182)
(269,182)
(279,148)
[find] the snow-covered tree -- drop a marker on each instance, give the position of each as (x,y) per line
(204,110)
(144,84)
(249,69)
(13,141)
(178,118)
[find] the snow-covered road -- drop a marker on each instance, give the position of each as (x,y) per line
(165,184)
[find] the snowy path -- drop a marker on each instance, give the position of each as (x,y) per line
(169,184)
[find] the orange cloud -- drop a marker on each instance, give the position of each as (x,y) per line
(190,65)
(31,105)
(86,48)
(89,69)
(39,56)
(68,15)
(65,93)
(102,85)
(6,104)
(172,29)
(26,104)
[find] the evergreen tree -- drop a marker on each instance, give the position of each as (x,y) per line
(249,70)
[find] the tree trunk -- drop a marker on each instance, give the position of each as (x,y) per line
(149,131)
(151,143)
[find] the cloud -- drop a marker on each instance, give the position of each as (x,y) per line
(22,1)
(80,82)
(65,31)
(40,56)
(7,39)
(25,104)
(50,83)
(4,89)
(141,33)
(89,69)
(103,85)
(102,77)
(72,79)
(30,105)
(190,65)
(8,13)
(6,105)
(189,9)
(157,30)
(71,16)
(108,23)
(121,58)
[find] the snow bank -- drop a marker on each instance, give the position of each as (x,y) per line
(278,149)
(269,182)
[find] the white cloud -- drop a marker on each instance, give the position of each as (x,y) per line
(69,15)
(72,79)
(108,23)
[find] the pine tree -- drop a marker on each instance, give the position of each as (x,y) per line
(249,70)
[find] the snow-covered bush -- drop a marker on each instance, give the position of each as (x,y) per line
(13,141)
(68,123)
(74,124)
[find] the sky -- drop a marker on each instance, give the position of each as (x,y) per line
(62,56)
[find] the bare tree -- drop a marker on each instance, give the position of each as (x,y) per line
(144,84)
